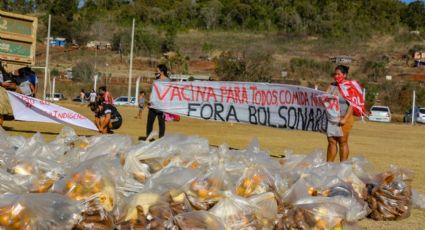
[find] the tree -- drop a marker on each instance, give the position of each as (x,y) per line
(211,13)
(414,15)
(83,71)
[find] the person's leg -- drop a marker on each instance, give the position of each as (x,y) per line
(343,147)
(161,123)
(332,147)
(151,120)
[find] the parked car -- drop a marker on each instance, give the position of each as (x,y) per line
(77,99)
(56,97)
(123,100)
(380,114)
(419,116)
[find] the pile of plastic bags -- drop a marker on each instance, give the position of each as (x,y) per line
(181,182)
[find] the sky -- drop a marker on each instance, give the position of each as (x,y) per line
(408,1)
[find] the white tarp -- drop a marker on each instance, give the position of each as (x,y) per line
(275,105)
(32,109)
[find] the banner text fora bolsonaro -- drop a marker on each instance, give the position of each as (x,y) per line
(274,105)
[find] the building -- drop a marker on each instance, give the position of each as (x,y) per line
(101,45)
(341,60)
(419,57)
(56,42)
(190,77)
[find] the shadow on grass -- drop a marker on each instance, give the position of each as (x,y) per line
(11,129)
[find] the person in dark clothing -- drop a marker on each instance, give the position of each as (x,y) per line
(107,117)
(160,75)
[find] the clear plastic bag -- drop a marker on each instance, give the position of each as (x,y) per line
(265,207)
(254,180)
(106,146)
(16,184)
(313,216)
(137,169)
(207,189)
(171,179)
(390,195)
(92,183)
(235,212)
(147,211)
(38,211)
(198,220)
(159,154)
(418,199)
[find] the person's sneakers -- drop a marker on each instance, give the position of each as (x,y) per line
(110,132)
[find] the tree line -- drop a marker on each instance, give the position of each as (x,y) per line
(76,19)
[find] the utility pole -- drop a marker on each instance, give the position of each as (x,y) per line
(413,108)
(131,62)
(46,67)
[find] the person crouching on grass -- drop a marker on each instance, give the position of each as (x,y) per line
(107,117)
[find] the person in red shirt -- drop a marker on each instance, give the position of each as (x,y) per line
(105,95)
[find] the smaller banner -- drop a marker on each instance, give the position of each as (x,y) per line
(32,109)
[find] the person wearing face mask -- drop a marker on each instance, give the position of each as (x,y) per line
(341,119)
(161,74)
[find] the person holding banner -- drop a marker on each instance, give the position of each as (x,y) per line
(7,82)
(160,75)
(339,122)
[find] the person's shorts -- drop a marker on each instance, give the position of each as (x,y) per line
(116,124)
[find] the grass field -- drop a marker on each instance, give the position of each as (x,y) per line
(381,144)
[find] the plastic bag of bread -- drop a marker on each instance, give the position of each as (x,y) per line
(171,179)
(92,183)
(160,153)
(390,195)
(137,169)
(235,212)
(265,208)
(318,216)
(254,180)
(146,211)
(38,211)
(198,220)
(327,175)
(105,145)
(296,165)
(43,172)
(207,189)
(16,184)
(418,199)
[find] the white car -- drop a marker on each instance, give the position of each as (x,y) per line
(419,116)
(380,114)
(123,100)
(56,97)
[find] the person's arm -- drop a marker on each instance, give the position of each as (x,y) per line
(9,85)
(105,122)
(347,115)
(97,122)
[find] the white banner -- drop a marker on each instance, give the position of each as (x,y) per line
(274,105)
(32,109)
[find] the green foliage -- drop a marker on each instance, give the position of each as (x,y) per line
(330,19)
(83,71)
(252,67)
(309,69)
(54,72)
(376,69)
